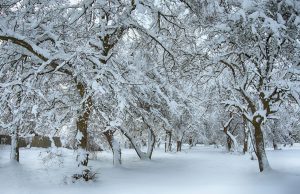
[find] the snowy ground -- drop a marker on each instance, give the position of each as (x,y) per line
(200,170)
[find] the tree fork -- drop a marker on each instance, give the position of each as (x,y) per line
(109,135)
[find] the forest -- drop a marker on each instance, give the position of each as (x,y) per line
(130,85)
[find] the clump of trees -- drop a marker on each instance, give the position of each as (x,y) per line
(171,72)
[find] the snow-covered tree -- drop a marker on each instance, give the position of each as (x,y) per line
(258,43)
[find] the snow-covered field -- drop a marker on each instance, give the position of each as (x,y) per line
(200,170)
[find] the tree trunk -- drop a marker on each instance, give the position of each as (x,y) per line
(246,135)
(170,141)
(82,123)
(246,138)
(179,143)
(14,154)
(275,146)
(191,142)
(228,141)
(115,147)
(245,147)
(229,137)
(151,142)
(117,154)
(260,147)
(166,145)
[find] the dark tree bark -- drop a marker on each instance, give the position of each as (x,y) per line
(246,136)
(260,145)
(82,122)
(15,154)
(225,130)
(275,146)
(168,141)
(191,141)
(229,142)
(245,147)
(179,145)
(166,144)
(151,142)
